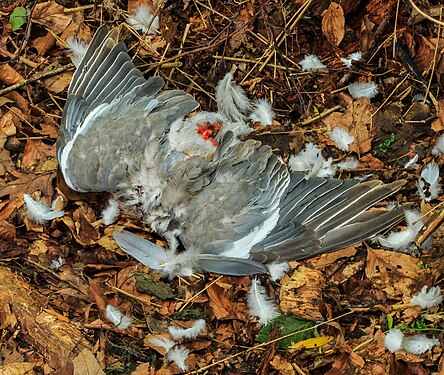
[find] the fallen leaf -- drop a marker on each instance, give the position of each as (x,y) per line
(7,230)
(394,273)
(86,363)
(314,342)
(22,368)
(37,152)
(282,365)
(9,75)
(58,83)
(333,24)
(44,43)
(356,119)
(51,15)
(301,293)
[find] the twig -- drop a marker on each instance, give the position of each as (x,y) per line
(200,292)
(78,9)
(318,117)
(425,15)
(430,226)
(36,78)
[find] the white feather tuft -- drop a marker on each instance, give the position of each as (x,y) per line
(231,99)
(39,212)
(56,264)
(188,333)
(401,240)
(111,212)
(115,316)
(311,62)
(356,56)
(277,270)
(78,49)
(141,19)
(428,185)
(162,342)
(439,146)
(179,355)
(311,161)
(262,113)
(419,344)
(348,164)
(260,304)
(427,299)
(393,340)
(363,90)
(341,138)
(412,162)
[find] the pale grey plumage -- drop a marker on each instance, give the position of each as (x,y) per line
(231,211)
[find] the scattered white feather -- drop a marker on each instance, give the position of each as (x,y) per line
(428,185)
(341,138)
(419,344)
(401,240)
(393,340)
(412,162)
(115,316)
(311,62)
(363,90)
(311,161)
(427,299)
(356,56)
(111,212)
(56,264)
(420,98)
(262,112)
(260,304)
(231,99)
(439,146)
(188,333)
(348,164)
(39,212)
(179,355)
(141,19)
(277,270)
(162,342)
(78,49)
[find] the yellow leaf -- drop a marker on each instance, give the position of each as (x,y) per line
(315,342)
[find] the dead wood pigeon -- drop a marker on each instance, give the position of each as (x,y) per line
(224,205)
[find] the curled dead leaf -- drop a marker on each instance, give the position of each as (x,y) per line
(333,24)
(58,83)
(9,75)
(7,230)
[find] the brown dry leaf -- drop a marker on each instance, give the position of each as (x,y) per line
(44,43)
(329,258)
(223,307)
(356,119)
(86,363)
(76,28)
(424,54)
(22,368)
(8,124)
(7,230)
(38,247)
(282,365)
(369,161)
(333,24)
(58,83)
(347,272)
(37,152)
(346,363)
(143,369)
(438,125)
(81,228)
(301,293)
(51,15)
(48,129)
(395,273)
(241,25)
(9,75)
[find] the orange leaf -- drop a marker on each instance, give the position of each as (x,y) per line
(333,24)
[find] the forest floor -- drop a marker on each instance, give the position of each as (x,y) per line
(58,278)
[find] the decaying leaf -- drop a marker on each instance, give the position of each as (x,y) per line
(333,23)
(301,293)
(51,15)
(356,119)
(395,273)
(86,363)
(9,75)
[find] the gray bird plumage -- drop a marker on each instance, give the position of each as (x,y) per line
(234,206)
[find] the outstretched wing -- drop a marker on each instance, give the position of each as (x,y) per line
(111,113)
